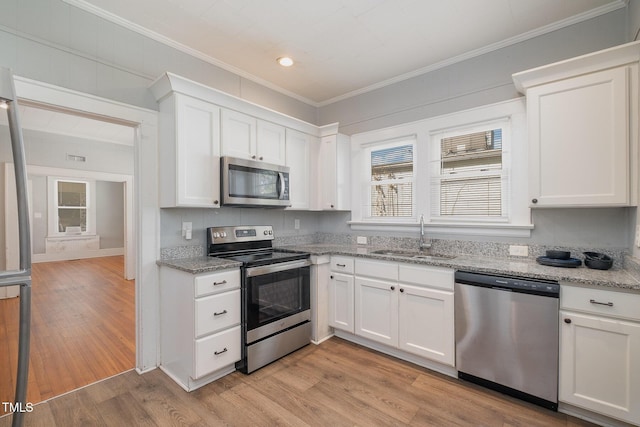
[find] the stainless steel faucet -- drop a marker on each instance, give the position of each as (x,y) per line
(423,245)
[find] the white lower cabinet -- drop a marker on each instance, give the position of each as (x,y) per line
(200,330)
(408,307)
(425,323)
(600,352)
(376,310)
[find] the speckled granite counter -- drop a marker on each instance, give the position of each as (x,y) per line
(624,279)
(197,265)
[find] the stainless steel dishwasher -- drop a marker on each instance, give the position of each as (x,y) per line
(507,335)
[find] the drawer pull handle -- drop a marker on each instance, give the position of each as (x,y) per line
(220,313)
(224,282)
(216,353)
(608,304)
(341,265)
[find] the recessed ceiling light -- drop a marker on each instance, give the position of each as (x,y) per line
(285,61)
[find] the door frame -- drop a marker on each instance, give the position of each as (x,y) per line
(146,211)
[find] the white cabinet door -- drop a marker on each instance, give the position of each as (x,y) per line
(298,153)
(333,173)
(376,310)
(270,143)
(239,135)
(197,153)
(600,365)
(579,140)
(426,323)
(341,294)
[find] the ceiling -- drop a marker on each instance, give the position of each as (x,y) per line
(341,47)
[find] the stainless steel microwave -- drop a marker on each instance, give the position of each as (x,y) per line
(252,183)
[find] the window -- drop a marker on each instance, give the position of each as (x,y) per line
(71,207)
(391,180)
(471,167)
(465,171)
(470,181)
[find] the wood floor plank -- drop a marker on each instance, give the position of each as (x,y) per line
(82,327)
(331,392)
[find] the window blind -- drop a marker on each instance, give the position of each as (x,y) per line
(471,175)
(391,188)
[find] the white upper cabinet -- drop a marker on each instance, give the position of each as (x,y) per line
(246,137)
(298,154)
(332,179)
(189,152)
(582,124)
(238,135)
(271,143)
(199,124)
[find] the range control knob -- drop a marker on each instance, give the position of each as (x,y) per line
(266,232)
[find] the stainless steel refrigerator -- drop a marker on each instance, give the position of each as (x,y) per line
(22,275)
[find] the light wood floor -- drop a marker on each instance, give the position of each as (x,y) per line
(82,328)
(334,384)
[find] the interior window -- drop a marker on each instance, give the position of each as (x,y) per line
(391,183)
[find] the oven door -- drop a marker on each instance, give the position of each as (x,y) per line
(277,297)
(252,183)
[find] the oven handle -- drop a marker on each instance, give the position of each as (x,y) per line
(274,268)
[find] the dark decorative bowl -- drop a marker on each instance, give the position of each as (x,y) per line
(553,254)
(597,260)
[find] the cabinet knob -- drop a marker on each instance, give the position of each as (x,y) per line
(215,202)
(393,288)
(261,158)
(253,157)
(567,321)
(534,201)
(331,206)
(401,289)
(331,277)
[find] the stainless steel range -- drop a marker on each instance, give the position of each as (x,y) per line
(275,293)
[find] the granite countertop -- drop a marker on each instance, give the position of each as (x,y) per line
(624,279)
(197,265)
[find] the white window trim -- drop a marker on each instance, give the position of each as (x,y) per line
(52,208)
(518,223)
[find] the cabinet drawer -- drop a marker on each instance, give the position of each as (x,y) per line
(377,269)
(217,312)
(216,352)
(601,301)
(441,278)
(207,284)
(341,264)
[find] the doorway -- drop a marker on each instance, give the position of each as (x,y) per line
(145,216)
(83,306)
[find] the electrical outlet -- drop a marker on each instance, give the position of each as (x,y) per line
(362,240)
(187,228)
(296,224)
(518,250)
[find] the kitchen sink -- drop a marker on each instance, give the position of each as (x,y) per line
(412,254)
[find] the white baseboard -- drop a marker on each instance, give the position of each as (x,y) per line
(68,256)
